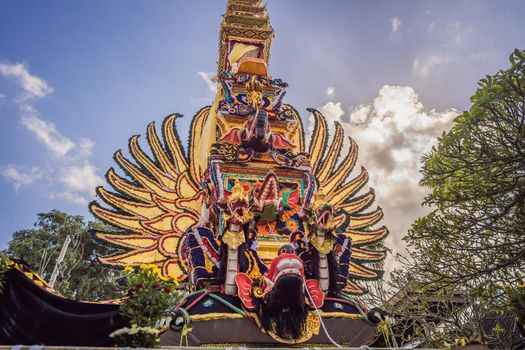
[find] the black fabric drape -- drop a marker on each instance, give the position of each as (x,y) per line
(31,315)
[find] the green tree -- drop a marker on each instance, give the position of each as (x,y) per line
(80,276)
(475,237)
(467,256)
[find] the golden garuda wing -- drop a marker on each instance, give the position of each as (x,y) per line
(158,200)
(333,170)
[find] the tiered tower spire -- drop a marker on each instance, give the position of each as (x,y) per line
(245,36)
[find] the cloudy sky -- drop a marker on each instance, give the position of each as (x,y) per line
(77,79)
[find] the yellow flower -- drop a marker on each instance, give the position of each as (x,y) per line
(292,225)
(128,269)
(258,292)
(174,280)
(150,267)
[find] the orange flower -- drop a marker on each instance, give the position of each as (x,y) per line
(262,229)
(286,215)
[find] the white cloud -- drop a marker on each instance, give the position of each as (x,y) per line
(33,86)
(85,147)
(19,177)
(77,177)
(360,114)
(425,66)
(78,183)
(210,79)
(396,24)
(2,99)
(70,197)
(392,132)
(332,111)
(46,133)
(457,32)
(480,57)
(330,92)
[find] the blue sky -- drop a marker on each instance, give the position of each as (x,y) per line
(77,79)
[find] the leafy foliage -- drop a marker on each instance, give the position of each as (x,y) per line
(149,296)
(4,265)
(517,300)
(475,235)
(80,276)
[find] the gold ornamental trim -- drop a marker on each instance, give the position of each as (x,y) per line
(341,315)
(215,316)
